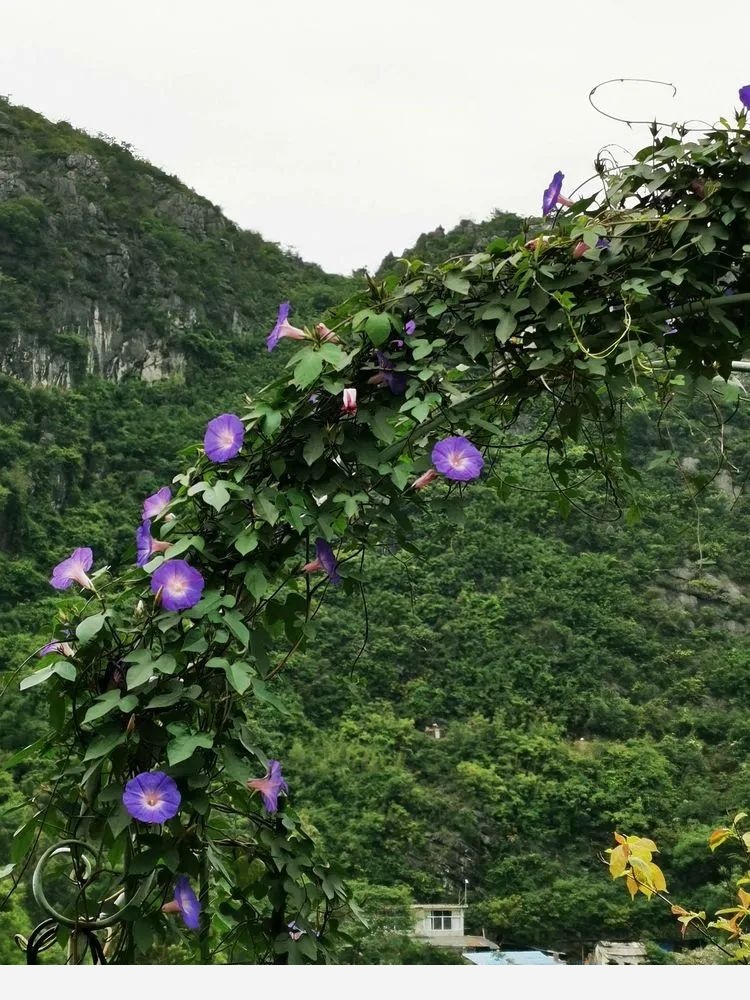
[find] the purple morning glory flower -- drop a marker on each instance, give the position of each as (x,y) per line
(152,797)
(396,381)
(409,327)
(186,903)
(270,786)
(73,570)
(179,584)
(457,458)
(552,194)
(224,437)
(155,504)
(64,648)
(146,545)
(284,329)
(745,95)
(324,560)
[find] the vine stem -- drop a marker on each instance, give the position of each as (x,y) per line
(205,944)
(689,309)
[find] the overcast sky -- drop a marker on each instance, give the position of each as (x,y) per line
(344,128)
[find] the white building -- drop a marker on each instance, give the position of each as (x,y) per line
(442,925)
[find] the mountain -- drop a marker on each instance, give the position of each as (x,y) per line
(111,267)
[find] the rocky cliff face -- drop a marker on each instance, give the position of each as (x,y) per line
(110,267)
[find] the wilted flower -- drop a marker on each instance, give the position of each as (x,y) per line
(155,504)
(409,327)
(326,335)
(745,95)
(349,404)
(224,437)
(552,194)
(146,545)
(283,329)
(537,243)
(580,248)
(186,903)
(151,797)
(178,584)
(324,560)
(396,381)
(64,648)
(457,458)
(73,570)
(424,480)
(270,786)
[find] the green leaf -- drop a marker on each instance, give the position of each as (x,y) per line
(217,496)
(184,746)
(237,627)
(240,676)
(456,284)
(38,677)
(166,700)
(139,674)
(309,365)
(238,770)
(90,627)
(378,328)
(104,704)
(314,447)
(261,692)
(506,327)
(104,745)
(65,670)
(256,582)
(119,820)
(165,664)
(246,541)
(185,543)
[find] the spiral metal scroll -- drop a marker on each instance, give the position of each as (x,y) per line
(82,938)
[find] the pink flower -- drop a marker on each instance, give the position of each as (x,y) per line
(424,480)
(350,401)
(270,786)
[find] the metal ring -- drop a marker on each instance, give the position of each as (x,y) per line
(65,847)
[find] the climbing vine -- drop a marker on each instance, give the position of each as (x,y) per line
(162,803)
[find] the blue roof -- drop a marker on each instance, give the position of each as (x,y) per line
(510,958)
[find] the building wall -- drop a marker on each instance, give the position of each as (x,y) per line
(426,926)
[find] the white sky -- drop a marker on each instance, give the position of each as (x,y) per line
(345,128)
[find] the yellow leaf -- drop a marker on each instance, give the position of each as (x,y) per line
(618,861)
(657,878)
(738,817)
(744,898)
(680,911)
(632,885)
(718,837)
(619,838)
(643,842)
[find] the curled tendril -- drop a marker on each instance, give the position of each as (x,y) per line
(78,922)
(631,79)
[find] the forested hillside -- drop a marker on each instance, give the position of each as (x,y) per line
(587,674)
